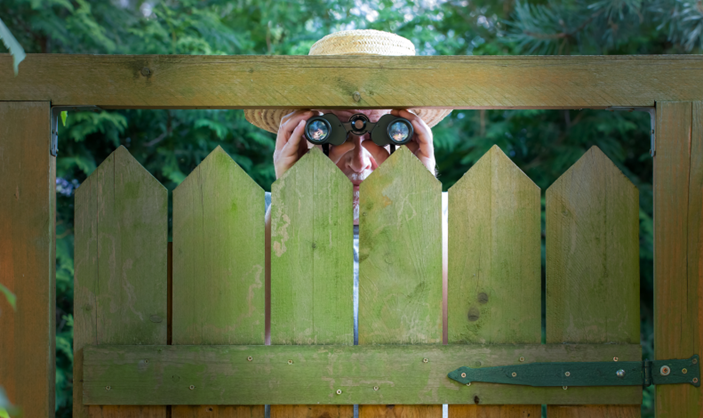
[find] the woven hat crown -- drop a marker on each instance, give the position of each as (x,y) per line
(363,42)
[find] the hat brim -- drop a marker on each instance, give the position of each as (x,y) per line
(270,119)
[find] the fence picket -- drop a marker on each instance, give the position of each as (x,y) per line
(218,265)
(593,265)
(312,265)
(120,278)
(494,294)
(400,263)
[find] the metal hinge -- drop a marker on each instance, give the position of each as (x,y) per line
(624,373)
(55,115)
(652,120)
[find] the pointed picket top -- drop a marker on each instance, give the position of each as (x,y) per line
(219,160)
(400,253)
(494,290)
(218,255)
(311,254)
(593,254)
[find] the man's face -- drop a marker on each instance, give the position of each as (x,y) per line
(359,156)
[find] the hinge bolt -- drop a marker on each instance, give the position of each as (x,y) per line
(665,370)
(615,359)
(620,373)
(695,380)
(567,374)
(191,387)
(694,361)
(425,360)
(463,375)
(684,371)
(107,388)
(514,374)
(339,391)
(250,358)
(375,388)
(522,358)
(290,361)
(565,387)
(469,384)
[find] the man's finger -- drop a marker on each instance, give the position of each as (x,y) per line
(288,124)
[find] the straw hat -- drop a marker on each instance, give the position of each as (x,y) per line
(350,42)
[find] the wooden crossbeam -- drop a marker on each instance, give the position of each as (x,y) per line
(333,374)
(249,81)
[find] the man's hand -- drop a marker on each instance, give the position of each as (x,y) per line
(290,142)
(421,144)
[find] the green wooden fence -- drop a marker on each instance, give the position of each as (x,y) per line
(214,316)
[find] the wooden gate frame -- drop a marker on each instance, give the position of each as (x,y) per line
(672,84)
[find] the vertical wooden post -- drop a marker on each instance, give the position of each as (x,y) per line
(27,256)
(678,248)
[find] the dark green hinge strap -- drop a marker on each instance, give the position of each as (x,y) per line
(623,373)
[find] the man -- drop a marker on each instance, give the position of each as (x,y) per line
(359,156)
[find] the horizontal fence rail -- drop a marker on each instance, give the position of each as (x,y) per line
(326,374)
(459,82)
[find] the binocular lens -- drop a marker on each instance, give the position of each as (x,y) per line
(318,131)
(399,132)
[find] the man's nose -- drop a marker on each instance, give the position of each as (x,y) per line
(361,160)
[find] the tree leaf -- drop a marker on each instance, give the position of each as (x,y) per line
(64,116)
(9,295)
(11,43)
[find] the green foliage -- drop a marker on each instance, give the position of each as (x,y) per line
(12,45)
(171,143)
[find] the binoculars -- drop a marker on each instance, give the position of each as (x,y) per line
(328,129)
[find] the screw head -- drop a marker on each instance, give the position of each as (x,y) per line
(567,374)
(108,387)
(615,359)
(695,380)
(565,387)
(250,358)
(375,388)
(514,374)
(146,71)
(339,391)
(425,360)
(290,361)
(522,358)
(694,361)
(684,371)
(356,96)
(468,384)
(665,370)
(463,375)
(191,387)
(620,373)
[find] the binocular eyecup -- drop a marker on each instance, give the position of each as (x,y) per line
(328,129)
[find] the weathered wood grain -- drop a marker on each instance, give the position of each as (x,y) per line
(494,294)
(218,264)
(224,375)
(174,81)
(678,249)
(593,260)
(121,265)
(590,411)
(400,259)
(312,263)
(27,257)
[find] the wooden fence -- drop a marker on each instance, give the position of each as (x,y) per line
(208,295)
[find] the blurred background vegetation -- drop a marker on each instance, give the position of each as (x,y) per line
(171,143)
